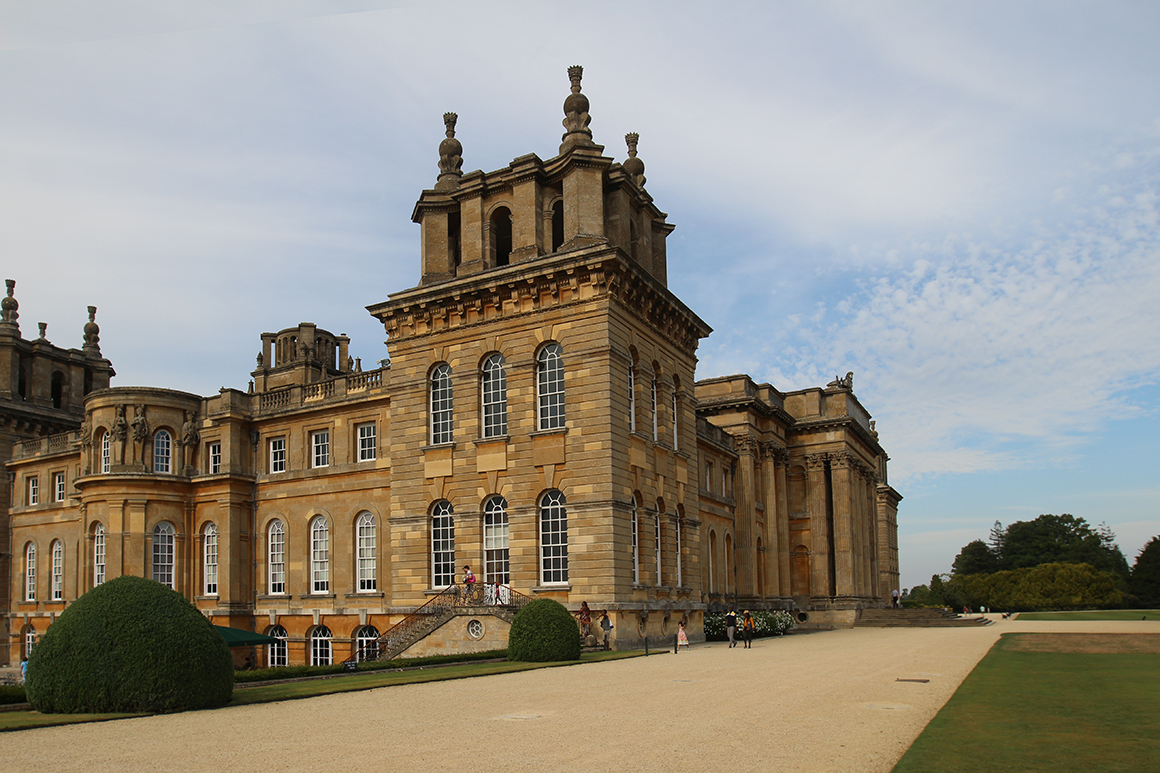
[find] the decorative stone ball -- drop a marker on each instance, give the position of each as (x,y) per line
(576,103)
(450,147)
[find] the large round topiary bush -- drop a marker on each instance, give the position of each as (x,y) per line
(132,645)
(544,631)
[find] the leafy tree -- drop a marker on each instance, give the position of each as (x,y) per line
(1145,583)
(1061,539)
(1043,587)
(975,558)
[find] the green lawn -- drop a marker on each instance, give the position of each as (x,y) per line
(290,690)
(1056,711)
(1094,614)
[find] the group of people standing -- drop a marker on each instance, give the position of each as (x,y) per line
(586,623)
(748,628)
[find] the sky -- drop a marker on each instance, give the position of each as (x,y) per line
(956,201)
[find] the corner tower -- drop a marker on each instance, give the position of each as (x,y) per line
(544,427)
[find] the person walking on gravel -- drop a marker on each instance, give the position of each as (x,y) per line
(731,628)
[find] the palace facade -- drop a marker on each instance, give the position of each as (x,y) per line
(539,419)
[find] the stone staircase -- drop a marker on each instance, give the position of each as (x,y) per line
(916,618)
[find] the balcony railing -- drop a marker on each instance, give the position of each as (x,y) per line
(50,445)
(324,391)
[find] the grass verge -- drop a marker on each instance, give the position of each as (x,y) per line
(291,690)
(1064,711)
(1093,614)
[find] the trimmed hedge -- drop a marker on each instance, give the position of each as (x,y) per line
(130,645)
(298,672)
(544,632)
(12,693)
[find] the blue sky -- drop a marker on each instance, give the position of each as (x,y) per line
(956,201)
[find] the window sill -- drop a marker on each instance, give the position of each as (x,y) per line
(305,596)
(214,597)
(437,446)
(495,439)
(275,597)
(366,594)
(564,586)
(545,432)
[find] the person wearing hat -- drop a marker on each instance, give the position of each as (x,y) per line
(748,628)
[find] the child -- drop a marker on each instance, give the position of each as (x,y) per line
(682,638)
(606,626)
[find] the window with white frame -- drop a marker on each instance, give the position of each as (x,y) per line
(368,442)
(57,579)
(319,555)
(367,564)
(162,451)
(33,494)
(553,538)
(366,642)
(320,448)
(635,545)
(632,398)
(163,538)
(58,487)
(658,543)
(442,412)
(276,654)
(320,650)
(106,453)
(276,558)
(493,391)
(98,554)
(550,386)
(677,534)
(676,425)
(278,454)
(496,566)
(215,457)
(442,544)
(30,572)
(210,559)
(29,640)
(655,418)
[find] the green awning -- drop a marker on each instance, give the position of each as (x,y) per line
(235,637)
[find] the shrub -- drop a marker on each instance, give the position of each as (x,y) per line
(12,693)
(773,623)
(542,632)
(130,645)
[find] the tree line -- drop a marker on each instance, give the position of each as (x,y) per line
(1052,562)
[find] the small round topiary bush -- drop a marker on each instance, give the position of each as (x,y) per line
(130,645)
(543,632)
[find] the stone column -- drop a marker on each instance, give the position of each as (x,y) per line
(776,519)
(845,567)
(745,547)
(816,504)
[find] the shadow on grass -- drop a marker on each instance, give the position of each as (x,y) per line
(1064,711)
(293,690)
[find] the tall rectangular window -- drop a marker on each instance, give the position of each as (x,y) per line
(106,453)
(33,497)
(680,573)
(442,545)
(210,560)
(632,398)
(493,390)
(98,555)
(553,538)
(655,419)
(442,412)
(57,570)
(58,487)
(676,426)
(215,458)
(635,546)
(366,553)
(550,386)
(278,454)
(320,448)
(368,445)
(276,558)
(657,536)
(495,541)
(320,555)
(30,572)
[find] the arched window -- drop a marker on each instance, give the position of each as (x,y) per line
(442,544)
(655,417)
(553,538)
(163,535)
(162,451)
(550,386)
(441,404)
(57,589)
(319,556)
(29,641)
(320,651)
(276,558)
(30,572)
(557,224)
(632,397)
(367,559)
(276,654)
(677,534)
(495,541)
(728,562)
(209,559)
(712,561)
(658,542)
(366,643)
(676,415)
(493,389)
(106,453)
(501,236)
(98,554)
(635,544)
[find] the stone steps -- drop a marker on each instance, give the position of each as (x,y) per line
(916,618)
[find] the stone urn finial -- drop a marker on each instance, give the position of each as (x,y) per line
(576,117)
(632,165)
(92,333)
(9,305)
(450,157)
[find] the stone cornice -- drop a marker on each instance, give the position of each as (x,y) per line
(716,406)
(838,422)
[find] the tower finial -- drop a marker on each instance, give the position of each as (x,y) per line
(576,118)
(632,165)
(92,333)
(450,157)
(9,305)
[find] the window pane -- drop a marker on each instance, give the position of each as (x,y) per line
(276,558)
(276,651)
(30,572)
(320,443)
(442,545)
(215,458)
(320,653)
(319,556)
(441,404)
(278,454)
(162,449)
(57,570)
(211,560)
(366,553)
(367,442)
(550,386)
(495,541)
(494,390)
(163,554)
(98,555)
(553,538)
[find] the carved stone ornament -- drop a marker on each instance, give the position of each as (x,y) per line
(846,382)
(86,431)
(120,429)
(43,330)
(576,117)
(450,156)
(93,332)
(632,165)
(9,306)
(189,434)
(140,424)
